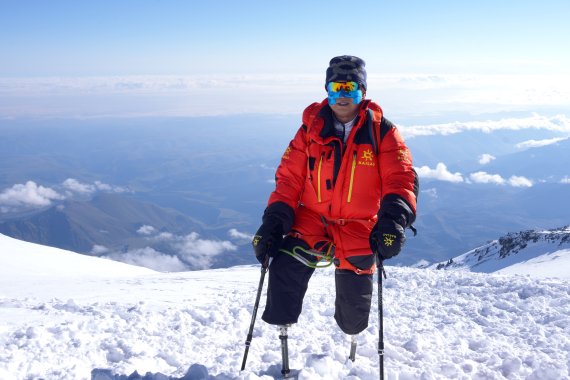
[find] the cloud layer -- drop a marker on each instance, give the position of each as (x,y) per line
(31,195)
(559,123)
(149,258)
(74,185)
(28,195)
(539,143)
(515,181)
(127,96)
(189,252)
(441,173)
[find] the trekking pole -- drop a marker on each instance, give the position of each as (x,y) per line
(381,273)
(264,268)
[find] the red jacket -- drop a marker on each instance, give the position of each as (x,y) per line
(336,191)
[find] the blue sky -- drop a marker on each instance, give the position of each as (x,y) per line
(190,37)
(76,39)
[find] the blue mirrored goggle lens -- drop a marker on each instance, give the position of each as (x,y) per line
(355,95)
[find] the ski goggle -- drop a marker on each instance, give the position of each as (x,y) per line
(342,86)
(344,90)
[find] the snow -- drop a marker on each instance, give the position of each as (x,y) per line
(19,258)
(551,264)
(110,321)
(537,253)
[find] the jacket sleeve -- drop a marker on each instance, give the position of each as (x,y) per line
(290,178)
(400,183)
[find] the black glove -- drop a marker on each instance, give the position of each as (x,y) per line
(387,238)
(267,239)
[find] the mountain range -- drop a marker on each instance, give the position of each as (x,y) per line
(518,253)
(109,220)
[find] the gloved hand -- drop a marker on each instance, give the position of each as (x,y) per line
(387,238)
(267,239)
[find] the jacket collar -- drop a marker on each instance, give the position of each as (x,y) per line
(325,120)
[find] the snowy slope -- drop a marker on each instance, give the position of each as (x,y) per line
(554,264)
(544,253)
(438,325)
(19,258)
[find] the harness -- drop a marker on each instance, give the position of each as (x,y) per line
(324,256)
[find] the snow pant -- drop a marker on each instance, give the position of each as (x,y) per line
(288,282)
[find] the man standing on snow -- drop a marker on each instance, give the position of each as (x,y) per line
(345,190)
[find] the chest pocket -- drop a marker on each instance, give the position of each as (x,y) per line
(320,166)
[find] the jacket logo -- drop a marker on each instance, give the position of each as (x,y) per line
(286,154)
(389,239)
(402,155)
(367,158)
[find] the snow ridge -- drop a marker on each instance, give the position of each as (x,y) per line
(510,249)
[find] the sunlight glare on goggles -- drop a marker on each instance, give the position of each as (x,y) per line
(343,86)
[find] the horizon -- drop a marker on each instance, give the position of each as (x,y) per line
(148,59)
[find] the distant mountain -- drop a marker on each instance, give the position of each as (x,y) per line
(110,220)
(120,226)
(462,150)
(516,251)
(454,218)
(547,163)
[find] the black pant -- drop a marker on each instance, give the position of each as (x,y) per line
(288,281)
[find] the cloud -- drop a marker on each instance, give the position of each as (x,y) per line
(539,143)
(240,235)
(484,177)
(486,158)
(74,185)
(146,230)
(566,179)
(99,250)
(430,192)
(200,253)
(515,181)
(78,187)
(31,195)
(27,195)
(188,252)
(559,123)
(165,236)
(440,173)
(149,258)
(194,251)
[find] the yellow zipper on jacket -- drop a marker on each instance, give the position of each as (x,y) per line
(351,177)
(319,178)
